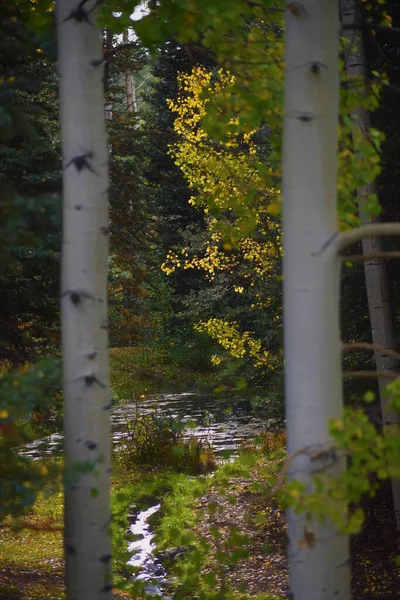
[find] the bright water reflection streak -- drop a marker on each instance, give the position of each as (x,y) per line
(229,421)
(142,553)
(223,421)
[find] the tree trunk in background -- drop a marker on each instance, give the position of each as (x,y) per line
(313,386)
(375,270)
(131,104)
(84,304)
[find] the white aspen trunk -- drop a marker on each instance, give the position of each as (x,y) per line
(318,554)
(130,90)
(375,270)
(84,304)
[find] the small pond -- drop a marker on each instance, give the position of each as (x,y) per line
(222,421)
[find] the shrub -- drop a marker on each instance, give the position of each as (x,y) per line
(159,443)
(267,443)
(25,394)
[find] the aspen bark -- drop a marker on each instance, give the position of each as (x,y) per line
(84,303)
(375,270)
(130,90)
(313,386)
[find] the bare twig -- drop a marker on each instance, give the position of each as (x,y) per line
(388,28)
(391,86)
(371,374)
(314,452)
(374,256)
(144,81)
(368,346)
(347,238)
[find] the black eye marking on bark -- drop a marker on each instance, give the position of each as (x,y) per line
(297,9)
(107,588)
(107,407)
(105,230)
(78,207)
(105,558)
(93,354)
(76,296)
(305,118)
(90,379)
(80,14)
(91,445)
(96,62)
(81,162)
(70,549)
(315,68)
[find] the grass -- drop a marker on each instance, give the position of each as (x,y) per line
(139,371)
(37,536)
(191,503)
(31,546)
(31,552)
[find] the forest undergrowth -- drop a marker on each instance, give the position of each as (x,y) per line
(231,531)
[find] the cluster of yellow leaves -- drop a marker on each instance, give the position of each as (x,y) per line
(223,174)
(233,187)
(259,256)
(237,343)
(211,262)
(224,177)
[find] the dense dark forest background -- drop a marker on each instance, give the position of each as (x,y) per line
(153,316)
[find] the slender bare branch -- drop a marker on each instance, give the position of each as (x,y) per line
(368,346)
(367,257)
(144,81)
(314,452)
(347,238)
(370,374)
(388,28)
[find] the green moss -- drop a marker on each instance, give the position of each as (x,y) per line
(138,371)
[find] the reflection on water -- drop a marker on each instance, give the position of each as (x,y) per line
(142,550)
(223,421)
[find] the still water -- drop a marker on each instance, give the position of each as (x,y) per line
(223,421)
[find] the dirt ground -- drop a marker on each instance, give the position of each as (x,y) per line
(375,574)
